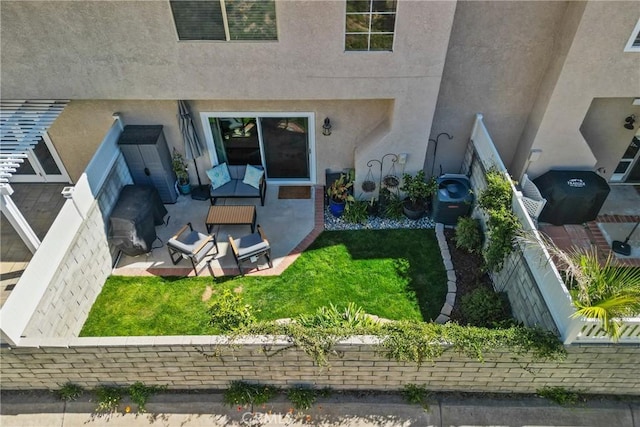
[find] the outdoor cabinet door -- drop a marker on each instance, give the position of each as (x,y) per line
(134,160)
(161,173)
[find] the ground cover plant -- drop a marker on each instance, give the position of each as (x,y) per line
(394,274)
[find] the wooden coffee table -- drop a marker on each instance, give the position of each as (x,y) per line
(231,215)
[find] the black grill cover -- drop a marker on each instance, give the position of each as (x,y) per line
(573,197)
(132,222)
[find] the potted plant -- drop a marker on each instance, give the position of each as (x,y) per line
(418,191)
(339,195)
(180,168)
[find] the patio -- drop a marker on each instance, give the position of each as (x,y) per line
(289,224)
(615,220)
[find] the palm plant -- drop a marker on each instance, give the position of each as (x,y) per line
(600,289)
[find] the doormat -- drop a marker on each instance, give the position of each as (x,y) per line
(294,192)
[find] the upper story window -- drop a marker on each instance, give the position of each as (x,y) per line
(633,45)
(370,25)
(225,19)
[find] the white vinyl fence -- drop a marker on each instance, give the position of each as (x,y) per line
(481,156)
(65,275)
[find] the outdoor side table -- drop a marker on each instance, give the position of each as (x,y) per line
(231,215)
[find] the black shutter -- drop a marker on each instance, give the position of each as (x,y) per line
(198,20)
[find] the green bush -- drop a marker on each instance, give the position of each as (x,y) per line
(109,398)
(229,313)
(390,204)
(242,393)
(559,395)
(140,393)
(469,234)
(302,397)
(502,225)
(356,212)
(351,316)
(69,391)
(497,195)
(416,394)
(485,308)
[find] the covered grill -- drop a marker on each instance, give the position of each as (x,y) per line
(573,197)
(132,222)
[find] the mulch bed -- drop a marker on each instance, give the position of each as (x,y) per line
(469,274)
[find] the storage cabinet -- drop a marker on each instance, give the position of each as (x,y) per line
(147,155)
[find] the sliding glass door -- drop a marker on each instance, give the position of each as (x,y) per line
(281,142)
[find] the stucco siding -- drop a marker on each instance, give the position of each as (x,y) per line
(497,57)
(82,125)
(596,66)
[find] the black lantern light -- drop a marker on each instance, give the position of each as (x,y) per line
(629,121)
(326,127)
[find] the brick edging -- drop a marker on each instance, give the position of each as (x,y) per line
(600,241)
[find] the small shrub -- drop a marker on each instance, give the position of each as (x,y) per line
(503,227)
(356,212)
(69,391)
(228,312)
(242,393)
(502,224)
(497,194)
(559,395)
(390,204)
(416,394)
(469,234)
(351,316)
(140,393)
(302,397)
(108,398)
(485,308)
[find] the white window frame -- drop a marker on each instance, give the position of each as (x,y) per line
(41,175)
(213,157)
(369,33)
(630,47)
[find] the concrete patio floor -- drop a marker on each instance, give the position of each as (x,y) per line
(290,225)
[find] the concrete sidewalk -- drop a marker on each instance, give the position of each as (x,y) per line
(372,410)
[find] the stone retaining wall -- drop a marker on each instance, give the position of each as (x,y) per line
(180,363)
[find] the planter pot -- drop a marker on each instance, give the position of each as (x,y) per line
(413,212)
(336,208)
(184,188)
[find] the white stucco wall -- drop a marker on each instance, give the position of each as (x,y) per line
(129,50)
(596,66)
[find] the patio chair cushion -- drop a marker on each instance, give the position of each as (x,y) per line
(250,245)
(219,175)
(190,242)
(252,176)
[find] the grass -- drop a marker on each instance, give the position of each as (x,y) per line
(395,274)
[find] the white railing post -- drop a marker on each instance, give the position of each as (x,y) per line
(17,221)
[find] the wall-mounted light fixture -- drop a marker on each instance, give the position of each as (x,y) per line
(629,121)
(326,127)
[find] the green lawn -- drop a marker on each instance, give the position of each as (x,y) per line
(395,274)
